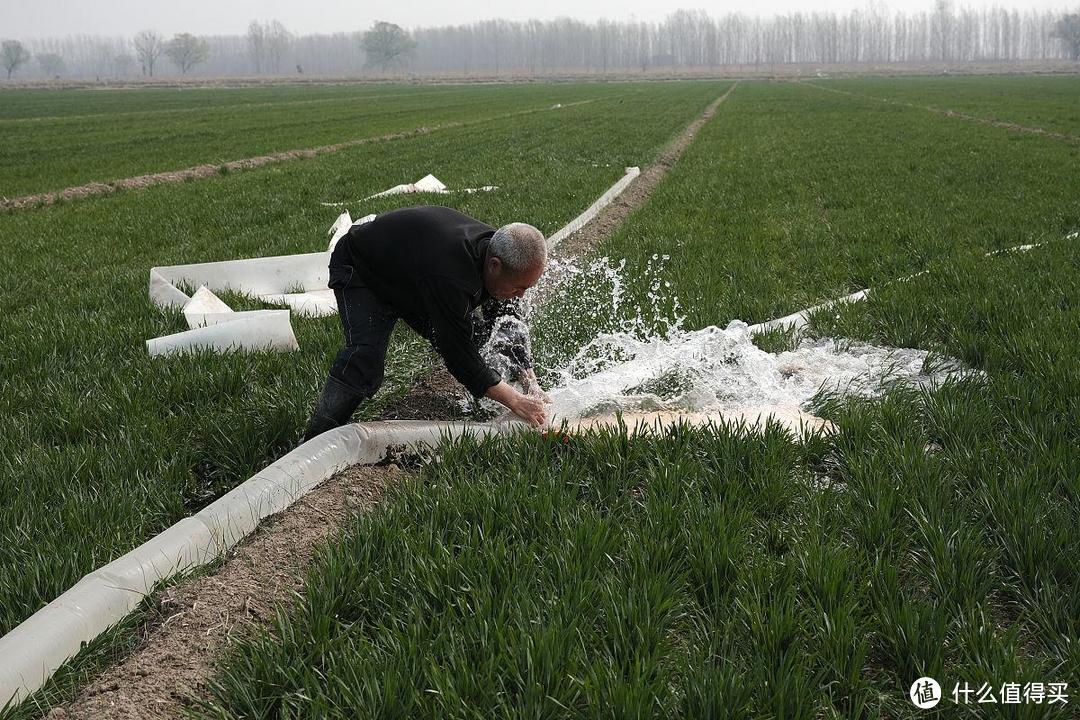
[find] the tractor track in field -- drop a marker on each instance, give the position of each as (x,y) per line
(198,172)
(194,620)
(945,112)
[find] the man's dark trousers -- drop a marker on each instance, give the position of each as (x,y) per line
(358,370)
(367,323)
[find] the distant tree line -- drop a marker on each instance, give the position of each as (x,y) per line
(693,39)
(684,39)
(108,58)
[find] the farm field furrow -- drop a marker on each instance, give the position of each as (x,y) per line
(712,573)
(59,153)
(1051,103)
(101,446)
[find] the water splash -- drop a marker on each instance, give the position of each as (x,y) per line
(574,304)
(720,369)
(599,352)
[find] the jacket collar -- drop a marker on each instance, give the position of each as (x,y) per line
(478,249)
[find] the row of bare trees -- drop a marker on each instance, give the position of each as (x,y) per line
(690,39)
(268,43)
(185,50)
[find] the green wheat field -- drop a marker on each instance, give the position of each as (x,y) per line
(694,573)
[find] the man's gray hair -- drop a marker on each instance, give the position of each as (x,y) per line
(520,246)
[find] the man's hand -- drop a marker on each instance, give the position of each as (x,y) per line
(529,409)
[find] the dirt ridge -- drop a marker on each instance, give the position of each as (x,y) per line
(206,170)
(641,188)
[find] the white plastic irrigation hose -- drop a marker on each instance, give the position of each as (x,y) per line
(36,648)
(298,281)
(593,210)
(798,320)
(32,652)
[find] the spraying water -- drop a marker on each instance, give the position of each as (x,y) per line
(720,369)
(599,353)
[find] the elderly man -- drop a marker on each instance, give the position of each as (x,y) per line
(431,267)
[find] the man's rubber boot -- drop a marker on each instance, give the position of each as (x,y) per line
(334,409)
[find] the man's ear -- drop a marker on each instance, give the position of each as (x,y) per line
(495,265)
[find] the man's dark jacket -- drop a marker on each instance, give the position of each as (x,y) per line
(427,264)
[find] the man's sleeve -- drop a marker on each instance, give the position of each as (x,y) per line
(448,309)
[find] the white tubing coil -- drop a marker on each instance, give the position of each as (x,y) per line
(213,325)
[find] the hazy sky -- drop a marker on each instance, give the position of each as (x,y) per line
(47,18)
